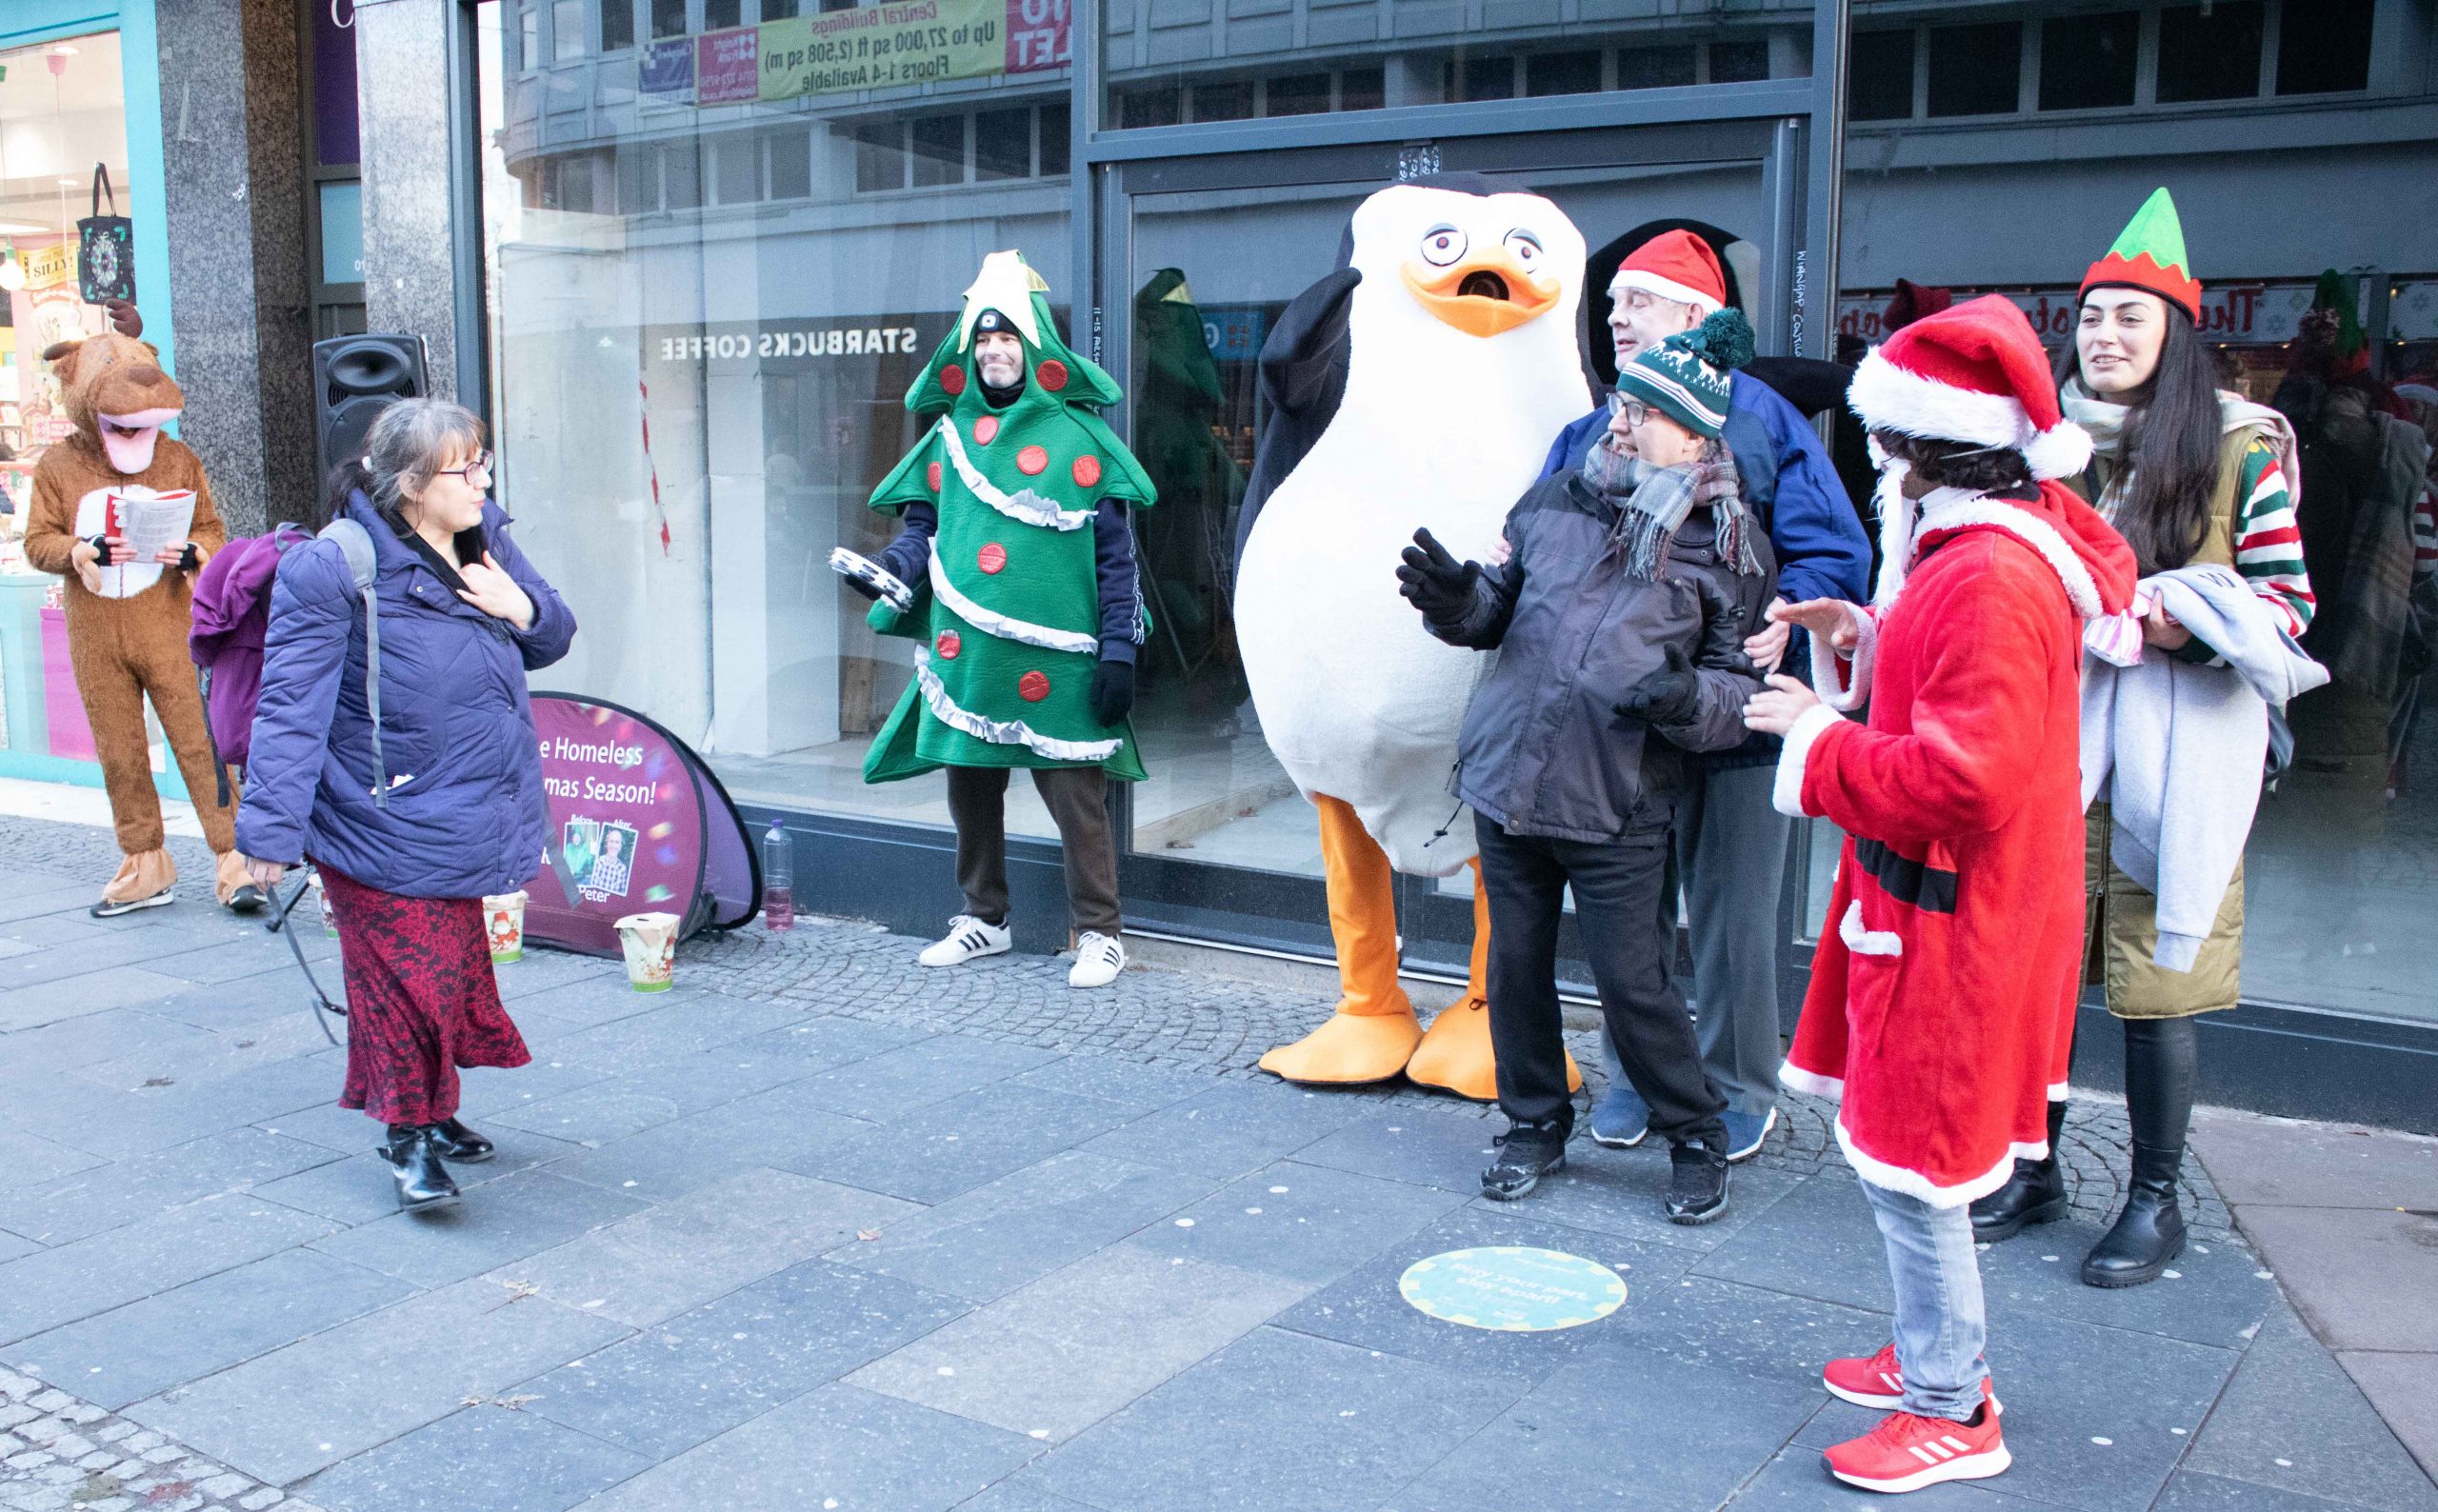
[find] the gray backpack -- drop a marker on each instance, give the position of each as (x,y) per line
(355,544)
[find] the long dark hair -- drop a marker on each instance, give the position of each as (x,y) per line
(2171,444)
(1959,463)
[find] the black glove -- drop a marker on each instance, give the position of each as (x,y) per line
(101,543)
(861,587)
(1113,695)
(1668,696)
(1440,586)
(191,558)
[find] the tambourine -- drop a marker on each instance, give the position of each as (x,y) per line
(858,567)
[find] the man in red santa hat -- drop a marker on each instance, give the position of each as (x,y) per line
(1935,1013)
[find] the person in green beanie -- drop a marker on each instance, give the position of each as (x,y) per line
(1015,575)
(1619,618)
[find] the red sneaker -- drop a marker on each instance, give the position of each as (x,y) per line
(1906,1453)
(1878,1383)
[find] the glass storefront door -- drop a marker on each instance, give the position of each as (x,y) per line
(1203,256)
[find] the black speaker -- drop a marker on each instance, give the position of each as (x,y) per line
(355,379)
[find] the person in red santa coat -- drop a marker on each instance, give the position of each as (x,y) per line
(1935,1013)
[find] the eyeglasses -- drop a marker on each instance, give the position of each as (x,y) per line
(482,462)
(1634,410)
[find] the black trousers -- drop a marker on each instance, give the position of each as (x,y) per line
(1076,798)
(1616,906)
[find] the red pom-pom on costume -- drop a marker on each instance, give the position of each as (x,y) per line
(991,558)
(1032,461)
(1052,374)
(985,429)
(1087,470)
(931,476)
(1034,686)
(950,644)
(953,380)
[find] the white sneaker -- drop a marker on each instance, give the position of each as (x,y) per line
(968,939)
(1098,960)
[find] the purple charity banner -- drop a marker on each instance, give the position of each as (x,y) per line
(626,831)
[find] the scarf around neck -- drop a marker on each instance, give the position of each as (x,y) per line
(1653,503)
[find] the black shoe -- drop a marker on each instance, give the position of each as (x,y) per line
(2149,1234)
(1697,1179)
(422,1181)
(2160,1057)
(460,1144)
(1527,1152)
(2034,1194)
(248,899)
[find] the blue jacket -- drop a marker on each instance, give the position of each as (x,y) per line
(1785,475)
(466,813)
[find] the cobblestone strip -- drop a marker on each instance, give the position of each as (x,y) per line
(58,1454)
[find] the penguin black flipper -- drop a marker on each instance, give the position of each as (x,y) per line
(1302,378)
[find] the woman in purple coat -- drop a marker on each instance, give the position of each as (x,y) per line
(412,821)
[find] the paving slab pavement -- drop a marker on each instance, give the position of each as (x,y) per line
(817,1231)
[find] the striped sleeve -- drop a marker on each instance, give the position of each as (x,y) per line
(2425,535)
(2269,542)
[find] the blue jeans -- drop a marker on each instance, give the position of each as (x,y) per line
(1940,1323)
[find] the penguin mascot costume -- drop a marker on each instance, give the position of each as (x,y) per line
(1418,386)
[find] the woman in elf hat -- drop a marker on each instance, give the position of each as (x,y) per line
(2193,477)
(1933,1016)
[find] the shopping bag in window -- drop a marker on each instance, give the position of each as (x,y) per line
(105,247)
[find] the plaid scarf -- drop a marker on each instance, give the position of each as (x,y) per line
(1653,503)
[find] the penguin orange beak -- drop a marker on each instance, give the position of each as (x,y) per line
(1485,294)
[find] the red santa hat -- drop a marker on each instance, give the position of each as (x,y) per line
(1973,373)
(1678,266)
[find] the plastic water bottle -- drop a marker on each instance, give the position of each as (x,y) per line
(778,881)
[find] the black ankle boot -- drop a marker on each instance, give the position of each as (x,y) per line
(414,1161)
(2034,1194)
(2149,1234)
(459,1144)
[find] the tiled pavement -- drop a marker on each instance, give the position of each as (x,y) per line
(816,1230)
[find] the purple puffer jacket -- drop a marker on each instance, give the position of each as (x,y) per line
(231,616)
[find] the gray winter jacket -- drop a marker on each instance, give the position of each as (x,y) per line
(1543,750)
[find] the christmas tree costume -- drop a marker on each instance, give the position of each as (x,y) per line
(1010,607)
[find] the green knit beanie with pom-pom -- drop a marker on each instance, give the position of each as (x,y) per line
(1686,376)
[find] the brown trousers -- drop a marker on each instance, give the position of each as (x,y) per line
(125,651)
(1075,797)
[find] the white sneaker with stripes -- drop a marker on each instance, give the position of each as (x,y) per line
(1098,960)
(968,939)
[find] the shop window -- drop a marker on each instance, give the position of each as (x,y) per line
(1547,73)
(617,25)
(718,15)
(937,146)
(1879,76)
(790,165)
(1490,78)
(668,18)
(880,156)
(2328,55)
(1976,70)
(1233,101)
(1140,107)
(1057,139)
(2088,63)
(739,167)
(1002,143)
(1654,67)
(1361,89)
(1299,94)
(681,177)
(1740,61)
(2210,52)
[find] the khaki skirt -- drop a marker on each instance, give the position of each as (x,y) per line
(2121,929)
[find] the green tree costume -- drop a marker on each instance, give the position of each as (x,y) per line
(1008,620)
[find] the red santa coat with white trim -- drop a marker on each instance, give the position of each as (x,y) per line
(1942,997)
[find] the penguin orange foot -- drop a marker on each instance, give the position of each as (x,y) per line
(1348,1048)
(1456,1055)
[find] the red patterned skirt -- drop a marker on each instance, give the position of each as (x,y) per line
(421,1001)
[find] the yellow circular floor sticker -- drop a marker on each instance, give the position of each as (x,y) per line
(1513,1289)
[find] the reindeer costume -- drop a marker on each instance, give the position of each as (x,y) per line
(125,648)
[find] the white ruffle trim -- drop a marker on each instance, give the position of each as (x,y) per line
(990,622)
(1025,506)
(1002,732)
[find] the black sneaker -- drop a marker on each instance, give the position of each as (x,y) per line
(1696,1185)
(1527,1152)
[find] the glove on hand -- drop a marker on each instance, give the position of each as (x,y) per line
(869,590)
(190,559)
(101,544)
(1667,696)
(1438,584)
(1113,694)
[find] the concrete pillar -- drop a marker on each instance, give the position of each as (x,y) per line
(236,242)
(403,93)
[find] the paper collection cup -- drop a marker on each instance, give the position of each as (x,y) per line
(504,918)
(650,943)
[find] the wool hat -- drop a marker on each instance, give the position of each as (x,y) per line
(1678,266)
(1973,373)
(1686,376)
(2149,255)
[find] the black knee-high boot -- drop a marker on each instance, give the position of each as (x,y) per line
(2159,1061)
(2034,1194)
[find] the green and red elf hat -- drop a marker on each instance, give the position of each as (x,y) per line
(2149,255)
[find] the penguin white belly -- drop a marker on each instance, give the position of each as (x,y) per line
(1358,701)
